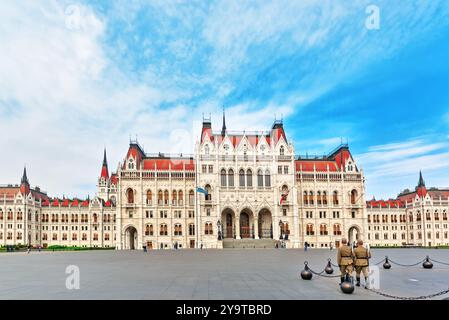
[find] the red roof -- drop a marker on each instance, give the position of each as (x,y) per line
(55,202)
(104,172)
(8,191)
(114,178)
(85,203)
(108,203)
(167,164)
(65,203)
(320,165)
(385,204)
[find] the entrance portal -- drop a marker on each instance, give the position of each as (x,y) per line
(131,238)
(353,235)
(245,231)
(265,224)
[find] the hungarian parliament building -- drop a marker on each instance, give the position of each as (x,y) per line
(238,190)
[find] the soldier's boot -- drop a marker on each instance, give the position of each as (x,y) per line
(358,282)
(342,279)
(366,283)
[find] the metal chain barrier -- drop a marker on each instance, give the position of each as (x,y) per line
(445,263)
(429,296)
(322,275)
(407,265)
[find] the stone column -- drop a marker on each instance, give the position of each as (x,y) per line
(256,226)
(237,226)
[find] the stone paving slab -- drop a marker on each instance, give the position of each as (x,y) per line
(269,274)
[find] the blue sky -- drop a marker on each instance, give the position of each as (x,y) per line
(78,76)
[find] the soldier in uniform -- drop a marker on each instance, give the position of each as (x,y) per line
(362,256)
(345,260)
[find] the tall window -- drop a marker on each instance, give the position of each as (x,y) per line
(231,178)
(166,197)
(311,197)
(180,197)
(242,178)
(208,228)
(323,229)
(130,195)
(223,177)
(149,197)
(191,229)
(281,151)
(209,192)
(163,230)
(249,178)
(206,150)
(160,197)
(305,199)
(353,196)
(174,197)
(191,198)
(335,198)
(267,178)
(324,198)
(309,230)
(178,229)
(318,197)
(259,178)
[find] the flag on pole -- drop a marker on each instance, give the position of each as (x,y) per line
(201,190)
(284,197)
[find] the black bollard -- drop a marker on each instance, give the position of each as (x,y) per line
(347,286)
(306,274)
(387,264)
(329,269)
(427,264)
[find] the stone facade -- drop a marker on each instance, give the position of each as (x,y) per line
(237,186)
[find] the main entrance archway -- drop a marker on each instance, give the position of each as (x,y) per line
(130,242)
(354,234)
(228,221)
(265,224)
(246,229)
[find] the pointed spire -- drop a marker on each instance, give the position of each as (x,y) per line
(105,162)
(223,129)
(104,168)
(421,182)
(24,176)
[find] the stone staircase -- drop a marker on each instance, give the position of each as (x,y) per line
(249,243)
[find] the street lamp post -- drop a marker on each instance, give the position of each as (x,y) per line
(280,227)
(219,230)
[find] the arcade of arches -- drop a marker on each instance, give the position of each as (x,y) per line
(246,224)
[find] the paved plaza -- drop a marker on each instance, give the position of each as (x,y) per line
(209,274)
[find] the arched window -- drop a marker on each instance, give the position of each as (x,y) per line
(181,197)
(74,237)
(323,229)
(130,195)
(160,198)
(353,196)
(231,178)
(191,198)
(174,197)
(206,149)
(436,216)
(324,198)
(95,218)
(318,197)
(209,192)
(242,178)
(149,197)
(281,151)
(208,229)
(147,230)
(223,177)
(178,230)
(305,199)
(267,178)
(337,230)
(311,197)
(428,215)
(249,178)
(163,231)
(166,197)
(260,178)
(335,198)
(309,230)
(130,164)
